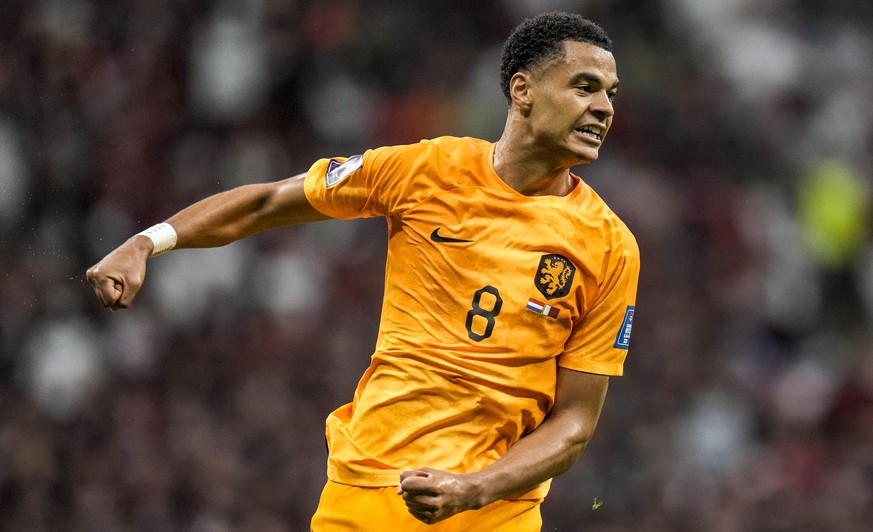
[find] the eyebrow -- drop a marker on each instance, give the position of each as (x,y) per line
(590,78)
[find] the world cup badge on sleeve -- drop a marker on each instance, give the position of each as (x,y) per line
(622,339)
(337,171)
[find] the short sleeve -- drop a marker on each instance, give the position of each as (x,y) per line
(600,339)
(379,182)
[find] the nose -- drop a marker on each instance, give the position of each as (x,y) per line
(601,105)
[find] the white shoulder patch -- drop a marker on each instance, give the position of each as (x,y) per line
(337,171)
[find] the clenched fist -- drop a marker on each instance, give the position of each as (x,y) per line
(117,278)
(432,495)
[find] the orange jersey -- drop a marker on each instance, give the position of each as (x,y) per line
(487,292)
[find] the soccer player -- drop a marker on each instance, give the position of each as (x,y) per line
(508,304)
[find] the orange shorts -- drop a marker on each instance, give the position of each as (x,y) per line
(351,508)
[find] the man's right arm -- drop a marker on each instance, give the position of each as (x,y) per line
(214,221)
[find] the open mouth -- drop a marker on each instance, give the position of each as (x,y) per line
(594,132)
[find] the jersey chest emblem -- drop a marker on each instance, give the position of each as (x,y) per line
(554,276)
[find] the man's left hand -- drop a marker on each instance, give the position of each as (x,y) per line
(432,495)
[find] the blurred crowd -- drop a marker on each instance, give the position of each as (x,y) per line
(741,157)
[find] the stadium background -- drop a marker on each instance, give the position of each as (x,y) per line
(740,157)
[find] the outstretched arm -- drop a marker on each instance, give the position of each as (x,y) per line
(241,212)
(214,221)
(548,451)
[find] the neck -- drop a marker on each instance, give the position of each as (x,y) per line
(529,170)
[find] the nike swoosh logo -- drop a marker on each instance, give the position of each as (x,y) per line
(437,237)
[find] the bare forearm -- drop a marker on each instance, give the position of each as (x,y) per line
(214,221)
(432,495)
(220,219)
(241,212)
(543,454)
(554,446)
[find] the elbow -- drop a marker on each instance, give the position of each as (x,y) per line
(578,436)
(572,449)
(576,449)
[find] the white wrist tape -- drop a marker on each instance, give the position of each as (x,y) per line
(163,236)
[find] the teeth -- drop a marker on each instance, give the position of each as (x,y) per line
(593,130)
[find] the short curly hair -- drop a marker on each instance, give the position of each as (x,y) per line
(539,39)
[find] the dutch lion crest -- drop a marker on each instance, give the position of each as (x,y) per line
(554,276)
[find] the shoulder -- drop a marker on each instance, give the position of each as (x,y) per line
(450,144)
(442,162)
(446,147)
(598,216)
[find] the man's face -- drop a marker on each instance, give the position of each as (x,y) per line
(571,106)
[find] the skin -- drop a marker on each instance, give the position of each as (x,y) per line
(539,145)
(214,221)
(548,451)
(534,155)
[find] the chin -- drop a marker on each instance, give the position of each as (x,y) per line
(585,157)
(583,153)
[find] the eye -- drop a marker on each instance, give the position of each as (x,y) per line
(612,95)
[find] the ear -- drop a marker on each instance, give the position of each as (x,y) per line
(521,86)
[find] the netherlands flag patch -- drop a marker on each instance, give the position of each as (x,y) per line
(541,308)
